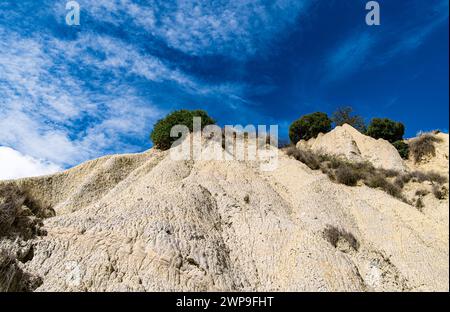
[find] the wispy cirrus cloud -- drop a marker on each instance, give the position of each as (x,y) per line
(68,94)
(234,28)
(350,56)
(49,112)
(66,101)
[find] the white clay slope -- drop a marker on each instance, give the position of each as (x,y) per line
(147,223)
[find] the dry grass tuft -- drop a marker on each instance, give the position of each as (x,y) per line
(423,146)
(419,204)
(307,157)
(349,173)
(422,192)
(333,235)
(380,181)
(440,192)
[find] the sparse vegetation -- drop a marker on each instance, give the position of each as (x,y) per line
(419,201)
(343,115)
(161,131)
(333,235)
(350,173)
(347,175)
(419,177)
(384,128)
(419,204)
(402,148)
(309,126)
(423,146)
(422,192)
(307,157)
(378,180)
(20,216)
(440,192)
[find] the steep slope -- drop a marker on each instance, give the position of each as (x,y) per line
(147,223)
(433,207)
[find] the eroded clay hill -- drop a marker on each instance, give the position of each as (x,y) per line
(147,223)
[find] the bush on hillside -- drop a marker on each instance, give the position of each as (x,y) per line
(440,192)
(161,131)
(333,235)
(381,182)
(347,175)
(307,157)
(309,126)
(384,128)
(343,115)
(422,192)
(402,148)
(420,177)
(354,173)
(419,204)
(423,146)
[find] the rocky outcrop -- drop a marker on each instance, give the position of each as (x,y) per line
(345,141)
(145,222)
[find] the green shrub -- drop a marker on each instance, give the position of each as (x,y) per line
(309,126)
(384,128)
(402,148)
(343,115)
(161,131)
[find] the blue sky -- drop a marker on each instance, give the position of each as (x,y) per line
(72,93)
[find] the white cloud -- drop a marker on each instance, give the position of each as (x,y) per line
(14,165)
(55,106)
(44,107)
(237,28)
